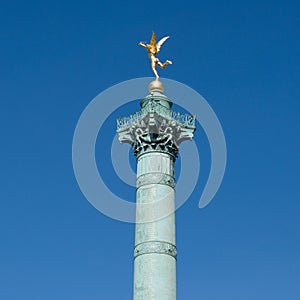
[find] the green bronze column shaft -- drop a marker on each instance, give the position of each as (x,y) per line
(155,246)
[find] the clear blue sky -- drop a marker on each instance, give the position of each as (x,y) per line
(242,56)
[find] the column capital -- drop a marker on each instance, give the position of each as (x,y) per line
(156,127)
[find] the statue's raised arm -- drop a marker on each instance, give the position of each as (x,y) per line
(143,44)
(153,48)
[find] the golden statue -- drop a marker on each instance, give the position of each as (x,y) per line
(153,48)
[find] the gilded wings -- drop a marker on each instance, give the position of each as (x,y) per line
(155,47)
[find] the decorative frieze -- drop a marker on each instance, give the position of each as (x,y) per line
(157,247)
(154,106)
(155,178)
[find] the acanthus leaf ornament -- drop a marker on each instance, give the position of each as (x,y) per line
(153,130)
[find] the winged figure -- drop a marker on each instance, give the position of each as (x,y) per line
(153,48)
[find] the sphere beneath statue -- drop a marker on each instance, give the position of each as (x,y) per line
(156,85)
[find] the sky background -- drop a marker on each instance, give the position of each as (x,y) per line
(242,56)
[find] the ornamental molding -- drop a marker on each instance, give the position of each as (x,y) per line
(154,106)
(155,247)
(155,178)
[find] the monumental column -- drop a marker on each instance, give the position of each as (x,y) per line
(155,133)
